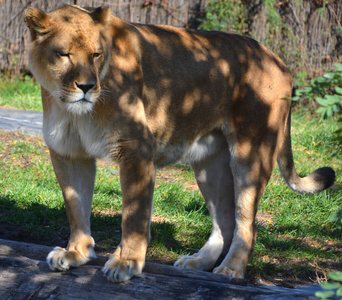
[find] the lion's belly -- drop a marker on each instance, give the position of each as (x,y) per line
(73,137)
(198,150)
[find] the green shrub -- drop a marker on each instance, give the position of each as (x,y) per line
(225,16)
(337,217)
(326,90)
(333,288)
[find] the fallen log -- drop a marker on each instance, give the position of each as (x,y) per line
(24,274)
(40,252)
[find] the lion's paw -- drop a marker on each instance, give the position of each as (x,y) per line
(119,270)
(229,272)
(195,261)
(59,259)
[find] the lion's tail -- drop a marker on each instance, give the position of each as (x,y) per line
(315,182)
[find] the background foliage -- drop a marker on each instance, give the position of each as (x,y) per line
(306,34)
(326,90)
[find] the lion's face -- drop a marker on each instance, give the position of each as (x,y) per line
(70,55)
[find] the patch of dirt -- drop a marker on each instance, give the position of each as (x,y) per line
(264,218)
(10,139)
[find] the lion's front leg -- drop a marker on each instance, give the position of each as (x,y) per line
(137,175)
(76,178)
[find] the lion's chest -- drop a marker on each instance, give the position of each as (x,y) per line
(75,136)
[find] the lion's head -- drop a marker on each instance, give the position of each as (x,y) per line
(70,54)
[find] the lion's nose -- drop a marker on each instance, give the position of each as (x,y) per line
(85,87)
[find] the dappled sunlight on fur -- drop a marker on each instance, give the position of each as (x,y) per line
(147,96)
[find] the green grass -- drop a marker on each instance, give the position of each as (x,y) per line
(21,93)
(296,243)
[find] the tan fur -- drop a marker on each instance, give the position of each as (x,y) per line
(147,96)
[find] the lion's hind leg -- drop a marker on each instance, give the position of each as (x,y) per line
(252,161)
(214,178)
(250,179)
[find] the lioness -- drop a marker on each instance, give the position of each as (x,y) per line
(147,96)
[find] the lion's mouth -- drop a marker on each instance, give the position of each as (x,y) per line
(77,103)
(79,106)
(72,99)
(80,100)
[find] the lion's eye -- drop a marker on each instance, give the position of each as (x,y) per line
(63,54)
(96,54)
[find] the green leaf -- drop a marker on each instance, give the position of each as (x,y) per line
(313,82)
(325,78)
(339,292)
(307,89)
(333,98)
(335,275)
(335,216)
(321,110)
(338,90)
(324,295)
(290,98)
(299,92)
(338,67)
(321,101)
(330,285)
(331,75)
(336,108)
(330,112)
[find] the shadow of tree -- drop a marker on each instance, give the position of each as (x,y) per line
(37,223)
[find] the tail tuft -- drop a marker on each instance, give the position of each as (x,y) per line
(324,178)
(316,182)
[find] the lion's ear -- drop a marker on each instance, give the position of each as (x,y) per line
(102,15)
(37,21)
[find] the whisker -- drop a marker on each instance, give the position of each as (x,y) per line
(106,90)
(55,94)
